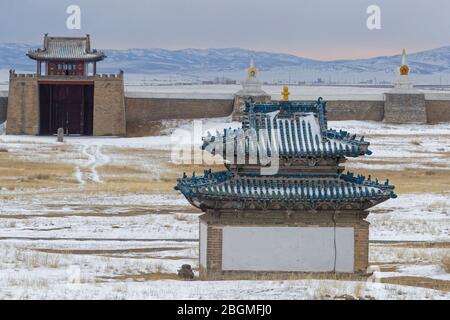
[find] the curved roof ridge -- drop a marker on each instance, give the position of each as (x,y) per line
(66,48)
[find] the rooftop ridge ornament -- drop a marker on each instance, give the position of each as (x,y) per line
(285,93)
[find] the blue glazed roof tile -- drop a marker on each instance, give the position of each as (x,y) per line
(306,188)
(294,129)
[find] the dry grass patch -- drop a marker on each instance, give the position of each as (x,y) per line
(388,268)
(33,175)
(413,181)
(165,184)
(28,283)
(128,185)
(119,170)
(142,276)
(35,259)
(446,263)
(418,244)
(422,282)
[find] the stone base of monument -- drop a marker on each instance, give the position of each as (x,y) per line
(249,245)
(405,107)
(239,103)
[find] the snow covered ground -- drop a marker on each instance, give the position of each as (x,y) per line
(98,218)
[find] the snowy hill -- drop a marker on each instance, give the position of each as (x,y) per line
(191,61)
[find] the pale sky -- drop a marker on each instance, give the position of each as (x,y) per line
(332,29)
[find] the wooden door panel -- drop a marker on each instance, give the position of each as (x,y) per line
(66,106)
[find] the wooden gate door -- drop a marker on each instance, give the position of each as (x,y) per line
(68,109)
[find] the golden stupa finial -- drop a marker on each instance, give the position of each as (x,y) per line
(404,69)
(285,93)
(252,71)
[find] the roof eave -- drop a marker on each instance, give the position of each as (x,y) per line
(99,56)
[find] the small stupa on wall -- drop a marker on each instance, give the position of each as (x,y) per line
(404,83)
(404,103)
(251,89)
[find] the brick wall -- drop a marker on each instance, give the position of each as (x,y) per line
(405,108)
(216,223)
(438,111)
(109,106)
(355,110)
(144,116)
(361,229)
(23,105)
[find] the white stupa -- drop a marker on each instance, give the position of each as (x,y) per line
(404,84)
(251,85)
(251,89)
(404,104)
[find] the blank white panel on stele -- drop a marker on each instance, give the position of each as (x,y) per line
(307,249)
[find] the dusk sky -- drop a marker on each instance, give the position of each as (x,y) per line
(310,28)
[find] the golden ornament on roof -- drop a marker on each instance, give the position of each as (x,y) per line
(285,93)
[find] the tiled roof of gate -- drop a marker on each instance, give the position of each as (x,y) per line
(66,48)
(295,129)
(313,187)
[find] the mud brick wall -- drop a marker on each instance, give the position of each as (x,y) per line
(216,223)
(405,108)
(355,110)
(109,106)
(438,111)
(23,105)
(144,115)
(115,114)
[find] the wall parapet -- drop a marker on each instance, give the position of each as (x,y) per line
(13,74)
(110,75)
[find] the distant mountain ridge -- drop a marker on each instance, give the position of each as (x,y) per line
(233,59)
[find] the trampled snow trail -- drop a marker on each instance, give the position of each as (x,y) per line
(95,159)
